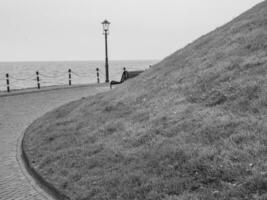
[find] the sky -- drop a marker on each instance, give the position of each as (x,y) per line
(51,30)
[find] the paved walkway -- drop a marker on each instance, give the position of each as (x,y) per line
(16,113)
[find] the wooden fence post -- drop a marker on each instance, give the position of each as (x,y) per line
(97,75)
(38,80)
(7,83)
(69,77)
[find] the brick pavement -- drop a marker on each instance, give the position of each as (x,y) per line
(16,113)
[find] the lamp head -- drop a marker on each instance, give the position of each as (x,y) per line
(105,24)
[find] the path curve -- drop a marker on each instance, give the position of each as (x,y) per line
(16,113)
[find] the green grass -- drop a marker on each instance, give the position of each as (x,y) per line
(193,127)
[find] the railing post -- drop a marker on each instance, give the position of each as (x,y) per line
(69,77)
(7,83)
(97,75)
(38,80)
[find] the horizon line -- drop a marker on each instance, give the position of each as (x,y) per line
(79,60)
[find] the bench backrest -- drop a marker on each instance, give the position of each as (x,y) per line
(130,74)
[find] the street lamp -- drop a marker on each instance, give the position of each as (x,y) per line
(106,24)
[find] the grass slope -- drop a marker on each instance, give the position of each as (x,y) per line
(192,127)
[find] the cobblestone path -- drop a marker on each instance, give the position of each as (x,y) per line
(16,113)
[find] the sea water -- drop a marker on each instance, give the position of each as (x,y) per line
(23,74)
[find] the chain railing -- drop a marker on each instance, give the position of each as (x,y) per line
(40,79)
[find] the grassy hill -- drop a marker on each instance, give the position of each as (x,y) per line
(194,126)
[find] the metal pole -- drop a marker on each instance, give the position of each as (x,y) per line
(69,77)
(7,83)
(97,75)
(106,63)
(38,80)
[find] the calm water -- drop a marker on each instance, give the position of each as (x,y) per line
(23,74)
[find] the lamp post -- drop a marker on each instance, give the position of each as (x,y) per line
(106,24)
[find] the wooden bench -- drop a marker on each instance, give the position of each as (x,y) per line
(125,76)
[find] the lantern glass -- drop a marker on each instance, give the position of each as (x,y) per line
(106,24)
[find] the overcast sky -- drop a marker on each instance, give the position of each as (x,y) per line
(140,29)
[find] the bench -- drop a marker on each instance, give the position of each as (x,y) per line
(125,76)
